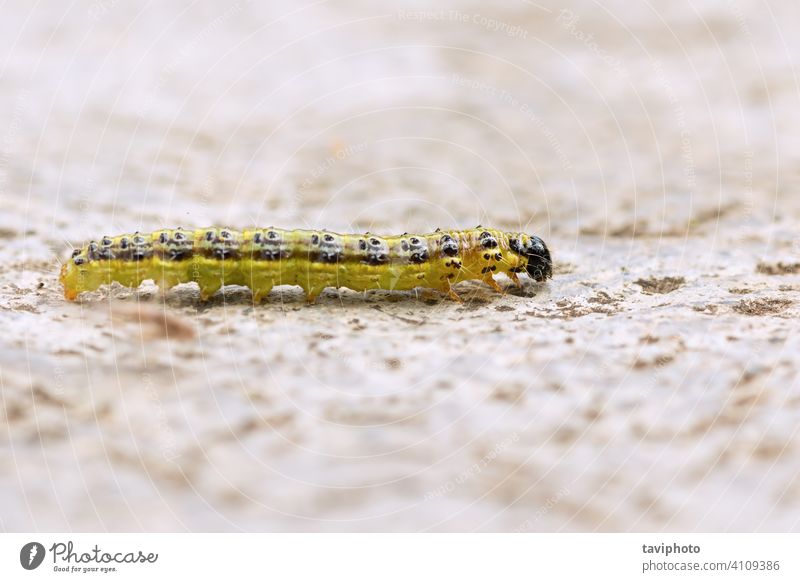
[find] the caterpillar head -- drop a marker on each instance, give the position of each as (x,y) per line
(539,265)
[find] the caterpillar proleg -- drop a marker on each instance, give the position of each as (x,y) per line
(263,258)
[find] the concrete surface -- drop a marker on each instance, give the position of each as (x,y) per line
(652,385)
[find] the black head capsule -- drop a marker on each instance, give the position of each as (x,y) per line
(540,264)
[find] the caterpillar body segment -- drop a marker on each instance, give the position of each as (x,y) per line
(264,258)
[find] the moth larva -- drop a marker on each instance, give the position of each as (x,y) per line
(263,258)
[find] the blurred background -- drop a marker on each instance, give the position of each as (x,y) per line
(651,386)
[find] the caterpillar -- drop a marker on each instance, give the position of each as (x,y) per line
(263,258)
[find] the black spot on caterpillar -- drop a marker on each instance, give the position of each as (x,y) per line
(263,258)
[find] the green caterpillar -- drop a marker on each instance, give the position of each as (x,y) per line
(263,258)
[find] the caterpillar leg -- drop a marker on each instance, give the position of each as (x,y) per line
(515,278)
(454,296)
(207,290)
(493,284)
(447,287)
(312,294)
(165,283)
(260,293)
